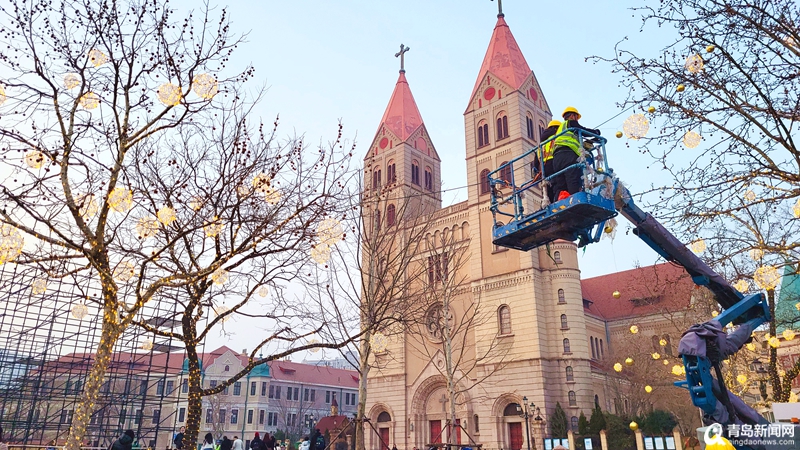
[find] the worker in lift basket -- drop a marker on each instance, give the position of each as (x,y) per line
(566,153)
(547,152)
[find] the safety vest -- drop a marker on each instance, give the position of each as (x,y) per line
(547,150)
(567,139)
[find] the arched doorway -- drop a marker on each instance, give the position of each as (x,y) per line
(384,422)
(511,416)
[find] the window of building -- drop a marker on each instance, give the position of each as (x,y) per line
(502,126)
(390,215)
(476,423)
(505,173)
(428,179)
(160,387)
(253,387)
(391,174)
(594,351)
(291,419)
(272,419)
(143,387)
(277,392)
(222,415)
(483,179)
(557,257)
(127,387)
(170,386)
(261,414)
(572,399)
(376,178)
(182,415)
(78,386)
(566,346)
(137,417)
(504,319)
(574,423)
(384,417)
(297,393)
(234,416)
(66,416)
(483,133)
(529,125)
(667,346)
(122,415)
(227,368)
(415,172)
(656,345)
(602,352)
(68,387)
(377,220)
(237,388)
(272,392)
(156,416)
(541,131)
(570,374)
(212,383)
(184,386)
(313,391)
(561,297)
(564,324)
(249,416)
(437,268)
(305,395)
(263,388)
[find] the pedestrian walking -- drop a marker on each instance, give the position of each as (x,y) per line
(125,442)
(208,442)
(237,443)
(178,439)
(226,444)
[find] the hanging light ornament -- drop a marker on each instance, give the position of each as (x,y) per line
(751,346)
(272,196)
(80,311)
(629,361)
(321,253)
(742,379)
(87,206)
(120,199)
(169,94)
(648,389)
(34,159)
(651,109)
(774,342)
(72,80)
(89,100)
(618,367)
(634,426)
(196,203)
(205,86)
(698,246)
(710,48)
(680,88)
(221,310)
(2,94)
(379,342)
(166,216)
(656,355)
(263,291)
(677,369)
(618,134)
(11,243)
(330,231)
(97,57)
(616,294)
(147,227)
(314,341)
(124,271)
(39,286)
(634,329)
(220,276)
(213,228)
(796,210)
(147,345)
(767,277)
(788,334)
(749,195)
(756,254)
(694,63)
(742,286)
(242,191)
(636,126)
(691,139)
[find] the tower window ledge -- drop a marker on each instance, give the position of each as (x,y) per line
(499,250)
(571,382)
(567,353)
(564,328)
(505,335)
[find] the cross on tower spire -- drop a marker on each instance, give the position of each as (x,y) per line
(500,9)
(402,55)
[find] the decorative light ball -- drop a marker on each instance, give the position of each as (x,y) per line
(742,286)
(120,199)
(666,362)
(2,94)
(656,355)
(166,216)
(11,243)
(710,48)
(767,277)
(314,341)
(147,345)
(89,100)
(796,210)
(792,398)
(221,310)
(72,80)
(39,286)
(80,311)
(698,246)
(616,294)
(662,342)
(651,109)
(263,291)
(618,367)
(677,369)
(124,271)
(196,203)
(243,191)
(788,334)
(741,379)
(751,346)
(213,228)
(618,134)
(694,63)
(774,342)
(379,342)
(330,231)
(691,139)
(169,94)
(634,329)
(629,361)
(87,206)
(97,57)
(261,182)
(147,227)
(648,389)
(756,254)
(272,196)
(680,88)
(636,126)
(321,253)
(220,276)
(634,426)
(205,86)
(797,306)
(34,159)
(608,229)
(749,195)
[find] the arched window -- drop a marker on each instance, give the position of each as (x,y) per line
(529,125)
(557,257)
(564,324)
(591,344)
(483,133)
(502,126)
(656,345)
(428,178)
(505,173)
(668,346)
(602,352)
(415,172)
(570,374)
(391,174)
(573,401)
(227,369)
(376,178)
(390,215)
(561,297)
(566,346)
(541,131)
(483,179)
(477,423)
(511,410)
(596,401)
(574,423)
(377,220)
(504,319)
(384,417)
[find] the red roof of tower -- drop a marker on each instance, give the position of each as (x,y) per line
(503,58)
(402,116)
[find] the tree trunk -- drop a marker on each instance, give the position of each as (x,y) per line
(361,413)
(195,401)
(775,379)
(85,408)
(448,360)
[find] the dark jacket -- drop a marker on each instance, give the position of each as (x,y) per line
(257,444)
(575,124)
(178,441)
(341,444)
(226,444)
(123,443)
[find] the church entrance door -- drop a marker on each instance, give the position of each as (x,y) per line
(384,438)
(436,431)
(455,436)
(515,436)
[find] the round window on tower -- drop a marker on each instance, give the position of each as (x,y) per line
(488,94)
(384,142)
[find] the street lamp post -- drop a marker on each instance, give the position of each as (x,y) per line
(523,411)
(311,423)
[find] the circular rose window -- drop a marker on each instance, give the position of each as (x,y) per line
(534,94)
(488,94)
(384,142)
(436,319)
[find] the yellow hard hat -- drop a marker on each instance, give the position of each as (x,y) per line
(571,109)
(720,444)
(553,123)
